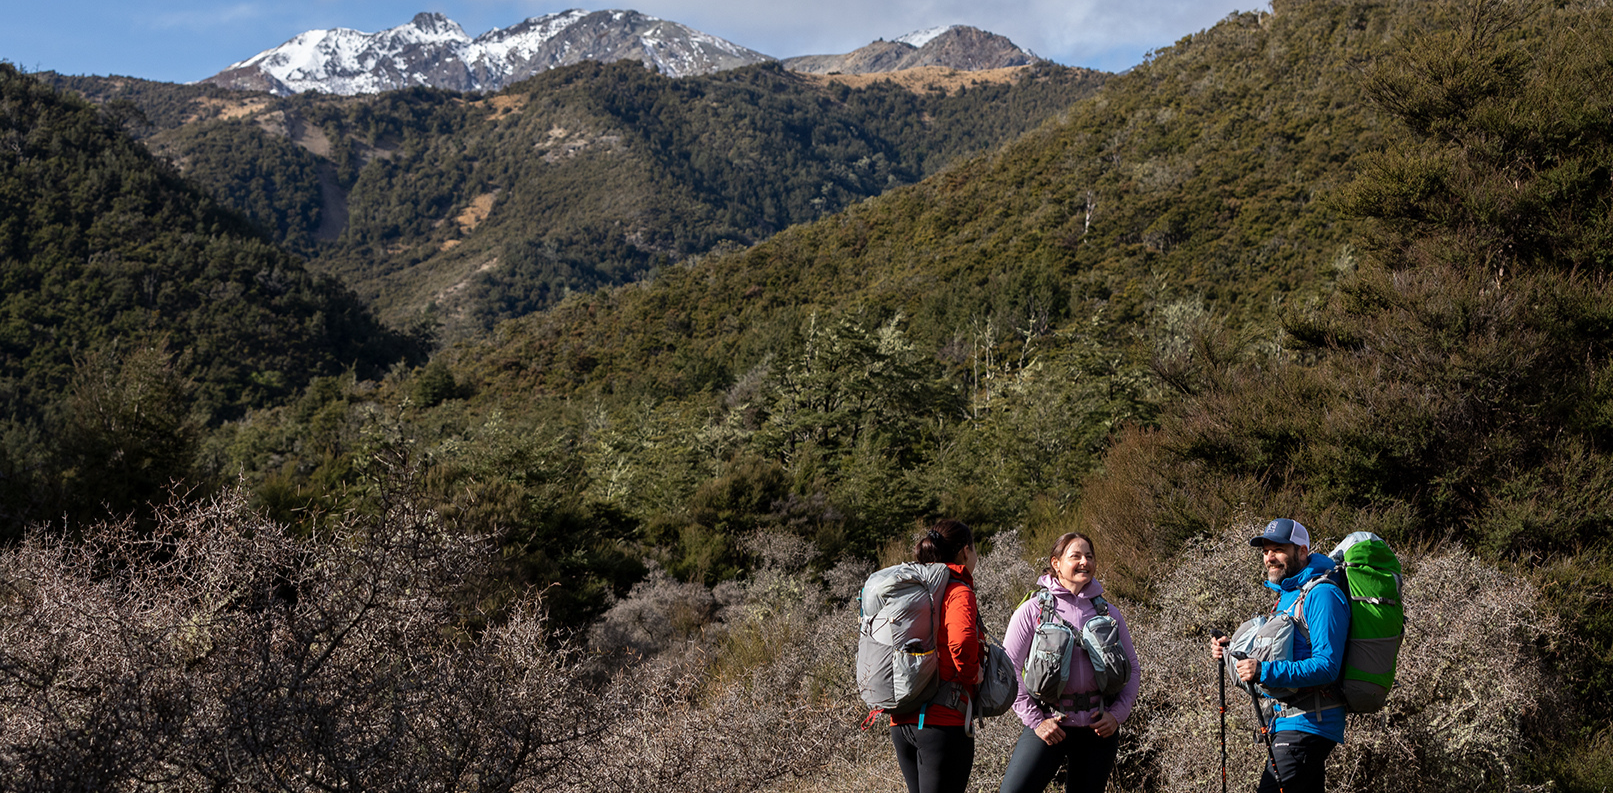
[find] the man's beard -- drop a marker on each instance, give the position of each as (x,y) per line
(1296,563)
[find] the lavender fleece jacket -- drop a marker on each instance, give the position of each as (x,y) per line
(1076,609)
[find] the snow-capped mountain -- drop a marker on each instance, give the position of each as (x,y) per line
(433,50)
(954,47)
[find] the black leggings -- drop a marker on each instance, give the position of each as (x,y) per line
(934,759)
(1034,763)
(1302,758)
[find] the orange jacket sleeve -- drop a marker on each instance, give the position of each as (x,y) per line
(960,635)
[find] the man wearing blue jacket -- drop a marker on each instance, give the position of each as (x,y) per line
(1307,727)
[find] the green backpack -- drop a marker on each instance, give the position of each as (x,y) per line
(1377,620)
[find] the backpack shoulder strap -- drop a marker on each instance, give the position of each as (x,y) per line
(1049,612)
(1298,608)
(1100,605)
(1046,611)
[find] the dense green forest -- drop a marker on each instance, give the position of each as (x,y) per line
(137,312)
(1342,261)
(466,210)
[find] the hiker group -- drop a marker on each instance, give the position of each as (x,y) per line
(1067,669)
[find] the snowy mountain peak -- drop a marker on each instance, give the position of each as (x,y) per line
(433,50)
(919,38)
(432,23)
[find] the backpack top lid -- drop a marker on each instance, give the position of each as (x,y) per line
(1365,548)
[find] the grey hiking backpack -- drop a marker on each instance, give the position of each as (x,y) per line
(1000,686)
(1100,637)
(901,615)
(1047,666)
(1265,638)
(898,668)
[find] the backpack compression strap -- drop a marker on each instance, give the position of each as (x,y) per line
(1373,601)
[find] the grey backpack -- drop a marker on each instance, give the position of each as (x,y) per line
(901,615)
(1100,636)
(1267,638)
(1047,666)
(1000,687)
(898,669)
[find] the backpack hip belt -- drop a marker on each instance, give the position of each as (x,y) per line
(1312,700)
(1078,701)
(951,694)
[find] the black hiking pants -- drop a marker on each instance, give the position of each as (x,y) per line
(1088,760)
(1302,760)
(934,759)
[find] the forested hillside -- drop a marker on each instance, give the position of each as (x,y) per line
(136,312)
(966,346)
(470,209)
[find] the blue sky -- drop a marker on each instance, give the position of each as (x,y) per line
(186,40)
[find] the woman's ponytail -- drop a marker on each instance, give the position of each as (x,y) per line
(942,542)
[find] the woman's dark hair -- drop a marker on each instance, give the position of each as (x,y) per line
(1062,544)
(943,541)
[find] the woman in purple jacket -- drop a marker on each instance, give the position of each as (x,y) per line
(1081,729)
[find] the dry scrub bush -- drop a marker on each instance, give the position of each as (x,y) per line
(658,611)
(216,652)
(1470,684)
(761,694)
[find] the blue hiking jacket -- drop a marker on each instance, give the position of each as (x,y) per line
(1319,661)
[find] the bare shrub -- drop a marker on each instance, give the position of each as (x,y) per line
(1469,681)
(656,612)
(217,652)
(763,693)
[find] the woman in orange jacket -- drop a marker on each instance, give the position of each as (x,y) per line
(933,747)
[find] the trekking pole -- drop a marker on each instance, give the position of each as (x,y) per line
(1260,716)
(1221,679)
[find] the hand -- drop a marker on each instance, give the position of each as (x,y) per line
(1249,670)
(1218,646)
(980,676)
(1049,731)
(1106,725)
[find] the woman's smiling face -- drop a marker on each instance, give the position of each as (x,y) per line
(1075,567)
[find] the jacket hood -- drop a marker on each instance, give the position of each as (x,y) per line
(1051,582)
(959,571)
(1316,566)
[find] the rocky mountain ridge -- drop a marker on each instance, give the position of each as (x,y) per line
(433,50)
(956,47)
